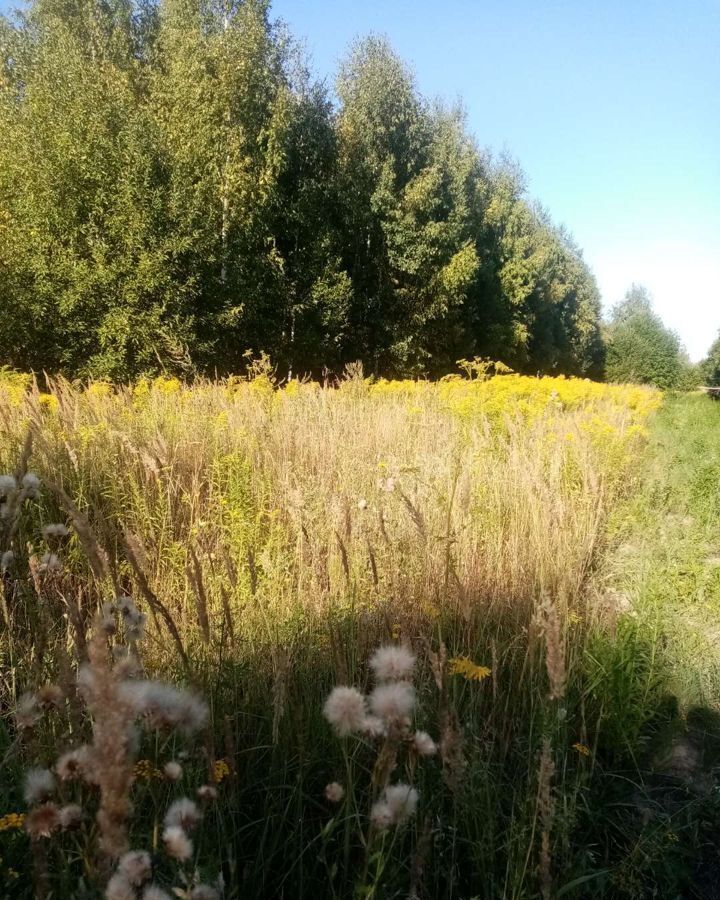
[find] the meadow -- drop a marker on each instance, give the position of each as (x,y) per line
(372,639)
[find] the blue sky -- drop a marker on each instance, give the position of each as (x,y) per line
(612,108)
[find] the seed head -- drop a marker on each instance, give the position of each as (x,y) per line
(39,786)
(42,821)
(423,744)
(345,710)
(334,792)
(393,701)
(135,866)
(173,770)
(177,844)
(392,663)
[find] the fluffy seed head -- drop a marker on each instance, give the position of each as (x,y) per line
(173,770)
(71,816)
(119,888)
(72,764)
(135,866)
(6,560)
(374,727)
(393,701)
(50,562)
(423,744)
(55,530)
(28,713)
(207,793)
(204,892)
(177,844)
(345,710)
(42,821)
(31,484)
(8,485)
(153,892)
(182,813)
(402,800)
(392,663)
(50,695)
(381,815)
(334,792)
(39,786)
(165,706)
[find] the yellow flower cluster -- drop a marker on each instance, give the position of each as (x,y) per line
(11,821)
(470,671)
(582,749)
(145,770)
(220,770)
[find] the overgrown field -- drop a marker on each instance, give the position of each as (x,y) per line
(256,545)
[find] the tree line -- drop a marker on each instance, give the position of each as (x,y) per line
(177,188)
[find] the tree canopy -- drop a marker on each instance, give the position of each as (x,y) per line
(176,188)
(641,349)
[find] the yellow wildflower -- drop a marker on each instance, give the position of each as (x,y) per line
(470,671)
(10,821)
(582,749)
(145,770)
(220,770)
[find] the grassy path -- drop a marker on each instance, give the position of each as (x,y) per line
(662,574)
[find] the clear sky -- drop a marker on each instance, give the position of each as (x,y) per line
(612,107)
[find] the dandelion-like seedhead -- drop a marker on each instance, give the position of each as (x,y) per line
(71,816)
(42,821)
(136,867)
(31,485)
(40,784)
(173,770)
(207,793)
(50,562)
(182,812)
(165,706)
(50,695)
(28,712)
(423,744)
(177,844)
(6,560)
(55,530)
(8,486)
(204,892)
(119,888)
(334,792)
(345,710)
(394,701)
(392,663)
(153,892)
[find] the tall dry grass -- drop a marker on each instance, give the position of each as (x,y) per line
(274,537)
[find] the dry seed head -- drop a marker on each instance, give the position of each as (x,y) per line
(207,793)
(55,530)
(6,560)
(39,785)
(423,744)
(71,816)
(345,710)
(177,844)
(183,813)
(135,866)
(50,695)
(173,770)
(204,892)
(374,727)
(153,892)
(392,663)
(31,485)
(393,702)
(334,792)
(402,801)
(165,706)
(28,712)
(42,821)
(50,562)
(73,764)
(8,485)
(119,888)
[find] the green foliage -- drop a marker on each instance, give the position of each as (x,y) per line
(640,348)
(176,188)
(710,366)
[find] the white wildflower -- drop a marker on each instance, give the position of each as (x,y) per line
(177,844)
(424,745)
(392,663)
(135,866)
(334,792)
(345,710)
(393,701)
(39,785)
(182,812)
